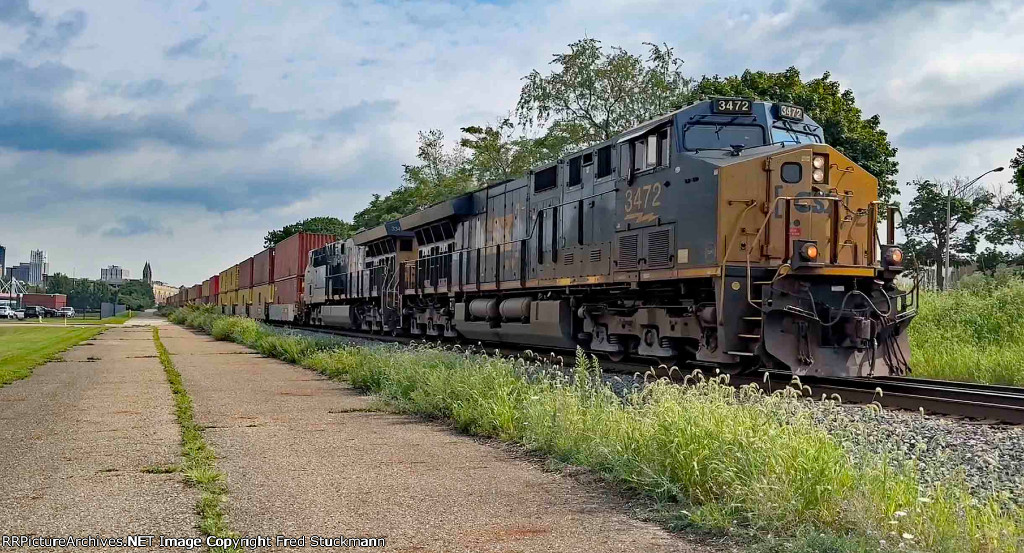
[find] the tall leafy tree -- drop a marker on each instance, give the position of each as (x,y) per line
(441,173)
(845,127)
(592,94)
(1006,221)
(504,151)
(136,295)
(925,222)
(317,225)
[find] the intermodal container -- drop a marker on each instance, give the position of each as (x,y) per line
(229,279)
(244,301)
(214,285)
(288,290)
(262,296)
(292,254)
(228,298)
(51,301)
(206,289)
(263,268)
(245,274)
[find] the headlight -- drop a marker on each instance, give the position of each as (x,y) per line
(895,256)
(818,175)
(809,252)
(819,162)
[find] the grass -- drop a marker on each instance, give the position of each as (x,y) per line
(972,334)
(24,348)
(712,458)
(198,459)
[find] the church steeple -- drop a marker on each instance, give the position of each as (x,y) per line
(147,274)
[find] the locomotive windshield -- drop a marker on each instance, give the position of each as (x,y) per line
(782,135)
(709,136)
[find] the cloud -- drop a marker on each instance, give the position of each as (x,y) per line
(55,37)
(17,12)
(202,7)
(993,117)
(362,113)
(188,48)
(134,225)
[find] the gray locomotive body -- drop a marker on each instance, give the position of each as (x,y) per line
(686,237)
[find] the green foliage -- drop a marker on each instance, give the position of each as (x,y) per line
(83,294)
(861,139)
(24,347)
(316,225)
(1017,166)
(499,153)
(972,334)
(925,222)
(592,95)
(136,295)
(440,174)
(715,457)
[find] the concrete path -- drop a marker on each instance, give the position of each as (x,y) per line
(306,456)
(75,437)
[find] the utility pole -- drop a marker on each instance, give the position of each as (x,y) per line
(949,202)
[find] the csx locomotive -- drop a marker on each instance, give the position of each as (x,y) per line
(726,233)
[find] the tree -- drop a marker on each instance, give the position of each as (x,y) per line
(498,152)
(925,223)
(862,140)
(317,225)
(1017,166)
(136,295)
(592,95)
(441,174)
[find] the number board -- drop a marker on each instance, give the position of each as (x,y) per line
(789,112)
(732,106)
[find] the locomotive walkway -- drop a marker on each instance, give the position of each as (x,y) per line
(303,456)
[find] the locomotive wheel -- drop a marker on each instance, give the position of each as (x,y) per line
(617,357)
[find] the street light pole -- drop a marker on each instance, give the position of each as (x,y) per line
(949,201)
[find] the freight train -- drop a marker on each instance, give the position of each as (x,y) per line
(726,233)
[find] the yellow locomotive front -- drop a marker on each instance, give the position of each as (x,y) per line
(807,278)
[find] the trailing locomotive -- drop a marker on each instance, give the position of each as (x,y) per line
(725,233)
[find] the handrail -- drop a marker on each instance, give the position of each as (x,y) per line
(788,238)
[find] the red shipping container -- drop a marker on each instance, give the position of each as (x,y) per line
(52,301)
(288,290)
(245,274)
(263,268)
(215,285)
(292,254)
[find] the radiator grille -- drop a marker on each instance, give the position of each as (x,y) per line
(659,248)
(628,246)
(568,258)
(596,255)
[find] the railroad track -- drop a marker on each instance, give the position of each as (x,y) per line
(969,400)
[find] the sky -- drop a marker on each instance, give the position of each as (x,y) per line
(180,132)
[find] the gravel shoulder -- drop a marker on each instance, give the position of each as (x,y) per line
(308,456)
(76,437)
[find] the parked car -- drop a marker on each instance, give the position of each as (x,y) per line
(7,313)
(68,312)
(48,312)
(20,314)
(34,311)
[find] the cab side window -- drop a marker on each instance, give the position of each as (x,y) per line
(651,151)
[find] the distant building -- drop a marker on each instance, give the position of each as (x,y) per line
(147,274)
(18,272)
(38,267)
(162,291)
(114,275)
(3,258)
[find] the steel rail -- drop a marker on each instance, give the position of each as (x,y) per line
(965,399)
